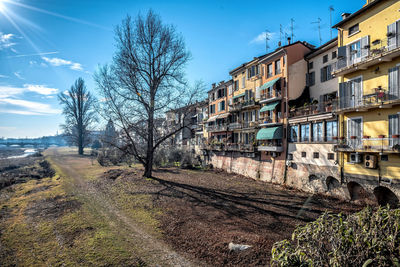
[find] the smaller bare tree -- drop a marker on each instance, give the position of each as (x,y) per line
(78,108)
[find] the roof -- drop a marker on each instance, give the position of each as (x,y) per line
(221,84)
(321,49)
(355,14)
(271,53)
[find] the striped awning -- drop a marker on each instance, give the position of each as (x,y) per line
(269,133)
(270,106)
(269,84)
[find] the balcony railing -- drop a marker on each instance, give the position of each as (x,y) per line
(368,144)
(327,106)
(378,98)
(235,125)
(217,128)
(377,49)
(236,106)
(270,95)
(248,103)
(249,124)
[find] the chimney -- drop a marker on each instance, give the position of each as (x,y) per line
(213,85)
(345,15)
(288,40)
(279,43)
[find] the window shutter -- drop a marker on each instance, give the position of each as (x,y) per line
(246,95)
(392,39)
(321,103)
(342,88)
(394,83)
(329,72)
(364,47)
(308,79)
(322,75)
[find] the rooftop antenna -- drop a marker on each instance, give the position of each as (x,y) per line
(286,38)
(280,33)
(292,28)
(267,38)
(331,9)
(319,29)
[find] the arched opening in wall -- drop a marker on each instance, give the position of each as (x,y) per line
(332,183)
(386,196)
(356,191)
(312,178)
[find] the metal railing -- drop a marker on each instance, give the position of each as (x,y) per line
(366,143)
(378,48)
(327,106)
(381,96)
(235,125)
(217,128)
(270,95)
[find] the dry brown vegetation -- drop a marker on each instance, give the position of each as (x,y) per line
(91,215)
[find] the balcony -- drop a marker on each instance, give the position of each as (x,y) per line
(217,128)
(263,121)
(236,106)
(235,125)
(272,146)
(368,144)
(249,124)
(379,51)
(380,98)
(312,109)
(249,103)
(270,97)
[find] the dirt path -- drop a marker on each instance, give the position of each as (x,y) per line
(153,251)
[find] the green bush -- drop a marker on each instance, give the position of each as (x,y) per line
(366,238)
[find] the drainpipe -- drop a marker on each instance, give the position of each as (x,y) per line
(286,117)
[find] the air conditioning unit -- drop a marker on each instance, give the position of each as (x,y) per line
(355,158)
(370,161)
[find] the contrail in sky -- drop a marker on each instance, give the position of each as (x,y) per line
(36,54)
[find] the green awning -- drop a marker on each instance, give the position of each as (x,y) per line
(239,95)
(269,133)
(269,84)
(269,107)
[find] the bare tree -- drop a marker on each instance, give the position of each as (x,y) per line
(145,79)
(78,108)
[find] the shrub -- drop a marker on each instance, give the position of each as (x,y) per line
(366,238)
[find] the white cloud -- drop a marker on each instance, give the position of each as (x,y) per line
(55,61)
(4,76)
(41,89)
(11,102)
(28,107)
(6,40)
(260,39)
(18,75)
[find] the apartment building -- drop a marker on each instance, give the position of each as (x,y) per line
(217,122)
(243,107)
(312,160)
(369,100)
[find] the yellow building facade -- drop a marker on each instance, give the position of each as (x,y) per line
(369,100)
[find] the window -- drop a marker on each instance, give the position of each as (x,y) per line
(331,130)
(221,105)
(221,92)
(384,157)
(355,52)
(315,155)
(303,154)
(305,133)
(334,54)
(353,29)
(354,132)
(317,132)
(278,66)
(230,89)
(212,109)
(310,65)
(236,85)
(325,59)
(290,156)
(326,73)
(294,133)
(243,81)
(331,156)
(269,70)
(311,78)
(394,129)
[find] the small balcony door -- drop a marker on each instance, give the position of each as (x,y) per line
(393,129)
(394,82)
(354,132)
(355,88)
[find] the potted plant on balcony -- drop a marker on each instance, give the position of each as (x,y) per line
(328,107)
(381,136)
(353,137)
(396,136)
(366,137)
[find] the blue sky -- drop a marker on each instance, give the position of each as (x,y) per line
(45,45)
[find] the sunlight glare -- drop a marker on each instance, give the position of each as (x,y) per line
(2,6)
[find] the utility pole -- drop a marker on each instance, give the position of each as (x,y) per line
(266,40)
(292,28)
(319,29)
(331,10)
